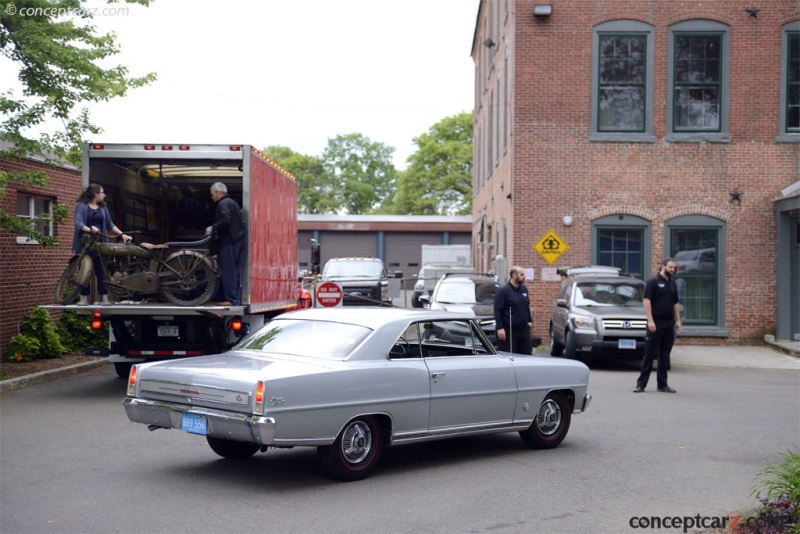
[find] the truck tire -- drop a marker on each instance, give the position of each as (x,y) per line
(189,282)
(123,369)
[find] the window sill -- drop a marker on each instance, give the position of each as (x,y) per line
(22,240)
(622,137)
(698,137)
(788,138)
(704,331)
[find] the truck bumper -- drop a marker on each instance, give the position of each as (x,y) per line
(221,424)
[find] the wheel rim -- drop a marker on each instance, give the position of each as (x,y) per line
(356,442)
(548,420)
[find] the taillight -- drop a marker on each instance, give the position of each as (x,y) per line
(132,381)
(98,146)
(97,321)
(239,327)
(259,407)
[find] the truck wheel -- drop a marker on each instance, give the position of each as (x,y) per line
(556,348)
(123,369)
(189,282)
(232,450)
(67,289)
(551,424)
(570,351)
(356,452)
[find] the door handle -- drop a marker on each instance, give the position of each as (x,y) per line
(436,376)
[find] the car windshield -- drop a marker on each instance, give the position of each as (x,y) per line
(353,269)
(610,294)
(315,339)
(466,291)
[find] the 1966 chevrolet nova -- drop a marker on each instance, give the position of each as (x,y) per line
(351,381)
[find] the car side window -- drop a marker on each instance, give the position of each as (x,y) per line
(450,338)
(408,344)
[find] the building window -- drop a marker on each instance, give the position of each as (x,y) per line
(790,83)
(697,244)
(29,207)
(621,241)
(622,74)
(698,79)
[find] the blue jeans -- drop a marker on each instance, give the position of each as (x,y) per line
(230,263)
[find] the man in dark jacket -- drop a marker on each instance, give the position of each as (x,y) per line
(228,228)
(512,314)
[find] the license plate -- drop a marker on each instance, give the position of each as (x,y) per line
(626,344)
(194,423)
(167,331)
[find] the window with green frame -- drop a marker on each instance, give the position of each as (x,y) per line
(697,82)
(696,253)
(621,247)
(621,86)
(793,83)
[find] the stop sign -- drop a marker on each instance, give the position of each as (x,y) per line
(329,295)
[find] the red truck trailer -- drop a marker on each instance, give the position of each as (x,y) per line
(161,194)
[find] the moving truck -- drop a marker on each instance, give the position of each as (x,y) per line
(160,193)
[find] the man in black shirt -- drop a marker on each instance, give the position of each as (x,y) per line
(663,322)
(228,228)
(512,314)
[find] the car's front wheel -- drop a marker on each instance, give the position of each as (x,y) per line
(556,348)
(232,450)
(356,452)
(551,424)
(570,346)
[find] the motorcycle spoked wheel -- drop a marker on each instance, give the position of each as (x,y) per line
(189,281)
(68,288)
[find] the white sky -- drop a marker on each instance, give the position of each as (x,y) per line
(288,72)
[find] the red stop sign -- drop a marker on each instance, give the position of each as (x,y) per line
(329,295)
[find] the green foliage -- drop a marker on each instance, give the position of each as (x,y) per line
(37,337)
(438,180)
(362,173)
(23,348)
(782,479)
(58,57)
(315,188)
(76,333)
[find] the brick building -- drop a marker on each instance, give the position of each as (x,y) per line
(30,271)
(632,130)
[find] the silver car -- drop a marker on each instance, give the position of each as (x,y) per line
(598,312)
(352,381)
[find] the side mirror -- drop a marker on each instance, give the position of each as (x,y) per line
(398,274)
(425,298)
(562,303)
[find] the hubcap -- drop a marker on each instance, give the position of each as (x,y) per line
(356,442)
(549,417)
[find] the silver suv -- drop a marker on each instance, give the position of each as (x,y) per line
(598,312)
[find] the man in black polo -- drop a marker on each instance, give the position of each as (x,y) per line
(663,322)
(512,314)
(229,230)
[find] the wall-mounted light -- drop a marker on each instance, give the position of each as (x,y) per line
(488,43)
(567,220)
(542,10)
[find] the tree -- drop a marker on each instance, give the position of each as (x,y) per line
(438,180)
(58,51)
(362,172)
(316,192)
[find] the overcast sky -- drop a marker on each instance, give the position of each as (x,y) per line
(288,72)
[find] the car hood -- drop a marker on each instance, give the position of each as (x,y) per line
(613,311)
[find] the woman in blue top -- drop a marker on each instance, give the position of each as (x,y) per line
(91,216)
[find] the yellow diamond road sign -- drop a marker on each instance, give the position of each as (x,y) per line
(551,247)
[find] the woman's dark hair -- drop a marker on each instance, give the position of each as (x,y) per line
(89,193)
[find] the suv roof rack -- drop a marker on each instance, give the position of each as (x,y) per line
(590,270)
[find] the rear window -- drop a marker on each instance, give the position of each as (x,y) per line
(315,339)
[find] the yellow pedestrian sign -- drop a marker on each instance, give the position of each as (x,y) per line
(551,247)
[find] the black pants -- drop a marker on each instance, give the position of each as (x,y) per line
(659,346)
(519,344)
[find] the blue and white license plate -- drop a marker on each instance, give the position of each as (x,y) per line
(168,331)
(194,423)
(626,344)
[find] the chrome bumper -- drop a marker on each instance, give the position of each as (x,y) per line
(586,400)
(221,424)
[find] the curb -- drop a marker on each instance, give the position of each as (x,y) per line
(22,381)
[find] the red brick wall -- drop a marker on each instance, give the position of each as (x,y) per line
(554,170)
(28,273)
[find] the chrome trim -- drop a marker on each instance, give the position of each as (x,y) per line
(586,400)
(468,430)
(191,392)
(633,324)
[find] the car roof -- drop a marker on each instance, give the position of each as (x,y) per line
(606,279)
(370,316)
(469,276)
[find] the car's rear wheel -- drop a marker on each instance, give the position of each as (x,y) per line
(556,348)
(570,348)
(356,452)
(551,424)
(232,450)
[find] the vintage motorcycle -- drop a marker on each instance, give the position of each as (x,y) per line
(184,273)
